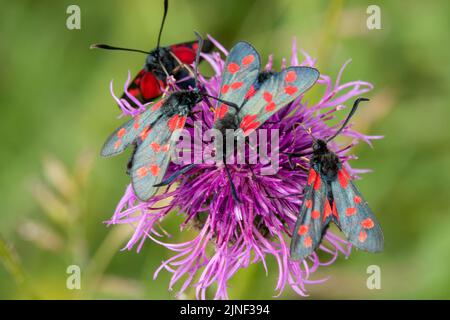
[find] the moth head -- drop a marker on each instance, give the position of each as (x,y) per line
(319,146)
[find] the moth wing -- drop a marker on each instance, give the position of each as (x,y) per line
(128,132)
(356,219)
(240,72)
(187,51)
(275,93)
(311,220)
(153,155)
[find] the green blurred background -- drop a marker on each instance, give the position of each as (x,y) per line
(56,112)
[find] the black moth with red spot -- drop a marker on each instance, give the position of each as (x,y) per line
(161,63)
(330,195)
(154,133)
(151,80)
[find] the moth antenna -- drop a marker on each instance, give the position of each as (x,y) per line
(352,112)
(108,47)
(166,8)
(295,155)
(163,68)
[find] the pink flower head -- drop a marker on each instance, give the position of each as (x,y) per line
(233,235)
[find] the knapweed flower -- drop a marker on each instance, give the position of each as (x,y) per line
(231,234)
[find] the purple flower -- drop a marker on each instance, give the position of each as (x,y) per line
(233,235)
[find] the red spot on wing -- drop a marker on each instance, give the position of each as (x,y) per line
(312,176)
(350,211)
(251,92)
(173,122)
(117,144)
(225,88)
(221,110)
(345,173)
(195,46)
(142,172)
(307,242)
(267,96)
(150,86)
(357,199)
(335,213)
(308,203)
(233,68)
(290,90)
(248,124)
(157,105)
(303,229)
(155,146)
(165,147)
(367,223)
(271,106)
(136,123)
(121,132)
(184,53)
(134,92)
(248,59)
(317,183)
(362,236)
(290,76)
(236,85)
(315,214)
(327,210)
(181,122)
(154,169)
(343,178)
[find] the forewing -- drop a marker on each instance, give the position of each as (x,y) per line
(356,219)
(127,133)
(311,221)
(275,93)
(240,72)
(153,155)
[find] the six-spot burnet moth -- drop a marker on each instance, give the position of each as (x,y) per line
(330,195)
(252,96)
(154,134)
(161,63)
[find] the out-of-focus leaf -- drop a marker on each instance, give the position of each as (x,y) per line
(41,235)
(51,204)
(58,176)
(11,261)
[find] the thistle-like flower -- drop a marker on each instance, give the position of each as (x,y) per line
(231,234)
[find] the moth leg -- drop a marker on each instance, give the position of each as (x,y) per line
(175,175)
(233,188)
(181,65)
